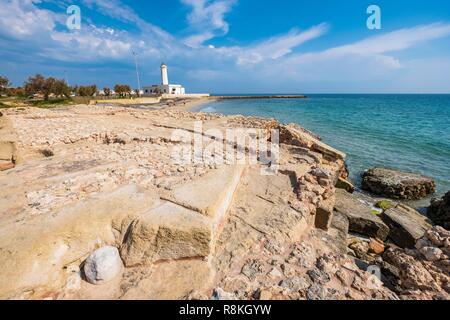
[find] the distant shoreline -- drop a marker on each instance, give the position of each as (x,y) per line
(251,97)
(189,106)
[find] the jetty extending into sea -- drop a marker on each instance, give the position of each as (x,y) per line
(259,97)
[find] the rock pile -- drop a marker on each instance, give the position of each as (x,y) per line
(303,271)
(397,185)
(424,273)
(439,211)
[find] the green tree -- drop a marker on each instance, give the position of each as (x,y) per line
(127,89)
(19,92)
(81,91)
(86,91)
(118,89)
(34,85)
(122,89)
(61,88)
(40,85)
(107,91)
(48,87)
(4,84)
(93,90)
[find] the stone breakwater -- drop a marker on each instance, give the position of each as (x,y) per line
(93,206)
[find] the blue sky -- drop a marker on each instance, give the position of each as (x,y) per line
(233,46)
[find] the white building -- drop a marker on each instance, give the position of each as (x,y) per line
(164,87)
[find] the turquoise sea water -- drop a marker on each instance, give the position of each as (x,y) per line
(405,132)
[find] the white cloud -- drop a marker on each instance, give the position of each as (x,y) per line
(31,33)
(196,40)
(36,30)
(371,58)
(395,41)
(20,19)
(207,17)
(89,46)
(118,10)
(280,46)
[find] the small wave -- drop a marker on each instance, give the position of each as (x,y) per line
(209,109)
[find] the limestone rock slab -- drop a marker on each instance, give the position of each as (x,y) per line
(211,194)
(361,218)
(406,225)
(397,185)
(167,232)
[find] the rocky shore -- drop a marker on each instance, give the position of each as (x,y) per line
(397,185)
(93,206)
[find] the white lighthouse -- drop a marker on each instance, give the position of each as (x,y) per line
(165,87)
(164,75)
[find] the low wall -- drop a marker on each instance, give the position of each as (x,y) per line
(128,101)
(185,96)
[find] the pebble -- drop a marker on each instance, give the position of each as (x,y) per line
(431,253)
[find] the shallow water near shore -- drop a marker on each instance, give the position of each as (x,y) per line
(404,132)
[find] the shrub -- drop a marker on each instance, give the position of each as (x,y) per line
(384,205)
(47,153)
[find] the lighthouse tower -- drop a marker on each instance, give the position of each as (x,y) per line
(164,75)
(165,88)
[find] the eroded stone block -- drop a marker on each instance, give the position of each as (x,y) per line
(167,232)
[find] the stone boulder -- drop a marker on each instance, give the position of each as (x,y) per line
(362,219)
(339,232)
(439,211)
(397,185)
(221,295)
(167,232)
(406,225)
(345,184)
(6,165)
(7,154)
(102,265)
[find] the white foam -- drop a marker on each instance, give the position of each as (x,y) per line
(208,109)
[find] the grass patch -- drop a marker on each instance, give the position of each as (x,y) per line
(384,205)
(50,103)
(375,212)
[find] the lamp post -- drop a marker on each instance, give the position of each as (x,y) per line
(66,78)
(137,72)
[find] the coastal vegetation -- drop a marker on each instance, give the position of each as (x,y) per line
(375,212)
(122,90)
(49,92)
(85,91)
(46,87)
(107,91)
(4,84)
(384,205)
